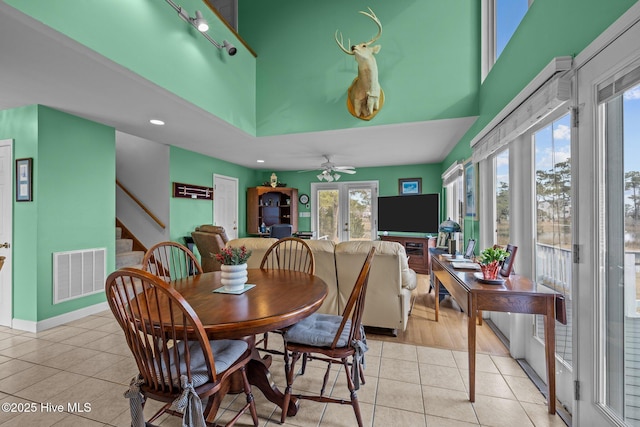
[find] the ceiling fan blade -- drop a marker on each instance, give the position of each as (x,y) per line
(343,167)
(348,171)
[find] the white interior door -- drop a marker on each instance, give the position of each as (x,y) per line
(607,318)
(225,204)
(6,204)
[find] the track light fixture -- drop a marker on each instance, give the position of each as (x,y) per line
(202,26)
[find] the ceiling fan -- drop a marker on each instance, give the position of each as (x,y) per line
(330,171)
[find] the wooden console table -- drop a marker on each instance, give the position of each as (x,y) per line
(517,295)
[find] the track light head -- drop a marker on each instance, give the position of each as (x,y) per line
(200,23)
(202,26)
(231,49)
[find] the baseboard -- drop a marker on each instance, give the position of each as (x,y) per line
(52,322)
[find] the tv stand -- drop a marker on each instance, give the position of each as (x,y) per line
(417,249)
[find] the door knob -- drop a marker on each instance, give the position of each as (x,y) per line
(5,245)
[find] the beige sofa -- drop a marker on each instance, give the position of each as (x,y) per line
(391,281)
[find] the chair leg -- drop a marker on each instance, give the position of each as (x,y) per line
(250,399)
(289,373)
(352,392)
(265,339)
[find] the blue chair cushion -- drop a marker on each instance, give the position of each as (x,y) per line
(318,330)
(225,353)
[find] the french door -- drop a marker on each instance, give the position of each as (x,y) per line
(607,235)
(344,211)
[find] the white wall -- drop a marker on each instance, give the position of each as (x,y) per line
(142,166)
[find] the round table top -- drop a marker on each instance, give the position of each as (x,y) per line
(280,298)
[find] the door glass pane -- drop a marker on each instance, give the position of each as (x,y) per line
(553,222)
(360,218)
(502,197)
(328,214)
(621,120)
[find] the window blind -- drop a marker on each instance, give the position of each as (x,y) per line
(547,92)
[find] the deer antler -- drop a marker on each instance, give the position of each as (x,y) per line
(377,21)
(340,43)
(376,37)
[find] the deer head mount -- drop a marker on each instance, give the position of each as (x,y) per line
(364,97)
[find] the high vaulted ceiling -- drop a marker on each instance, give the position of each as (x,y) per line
(41,66)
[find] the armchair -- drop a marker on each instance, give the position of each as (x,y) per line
(209,239)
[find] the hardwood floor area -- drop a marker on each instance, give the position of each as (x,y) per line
(450,332)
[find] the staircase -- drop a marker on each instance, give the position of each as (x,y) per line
(126,256)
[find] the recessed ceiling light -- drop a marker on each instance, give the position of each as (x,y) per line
(260,161)
(156,122)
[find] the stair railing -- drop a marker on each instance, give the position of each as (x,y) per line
(139,203)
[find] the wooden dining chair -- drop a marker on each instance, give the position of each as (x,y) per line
(288,253)
(331,339)
(171,261)
(172,351)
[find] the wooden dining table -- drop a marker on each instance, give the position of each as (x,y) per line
(280,298)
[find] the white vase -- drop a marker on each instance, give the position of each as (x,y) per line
(233,277)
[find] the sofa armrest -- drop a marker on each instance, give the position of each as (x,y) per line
(409,279)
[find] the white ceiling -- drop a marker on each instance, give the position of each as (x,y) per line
(41,66)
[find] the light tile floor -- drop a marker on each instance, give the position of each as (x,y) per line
(76,374)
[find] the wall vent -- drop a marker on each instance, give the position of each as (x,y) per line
(78,273)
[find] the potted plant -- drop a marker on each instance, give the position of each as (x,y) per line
(490,260)
(233,266)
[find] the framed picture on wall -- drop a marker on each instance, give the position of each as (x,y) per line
(410,186)
(24,182)
(470,190)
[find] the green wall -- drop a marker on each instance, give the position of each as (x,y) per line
(193,168)
(428,65)
(148,38)
(73,206)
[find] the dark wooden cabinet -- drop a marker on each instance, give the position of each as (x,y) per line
(417,249)
(272,206)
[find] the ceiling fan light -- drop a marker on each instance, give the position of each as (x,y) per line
(336,176)
(320,176)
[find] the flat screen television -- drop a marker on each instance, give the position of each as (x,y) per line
(418,213)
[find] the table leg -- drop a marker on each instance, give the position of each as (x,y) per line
(471,332)
(436,288)
(550,353)
(259,376)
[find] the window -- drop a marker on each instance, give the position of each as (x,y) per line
(500,19)
(501,185)
(509,13)
(453,182)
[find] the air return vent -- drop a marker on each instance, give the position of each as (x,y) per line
(78,273)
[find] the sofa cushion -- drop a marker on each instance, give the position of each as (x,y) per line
(257,245)
(323,254)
